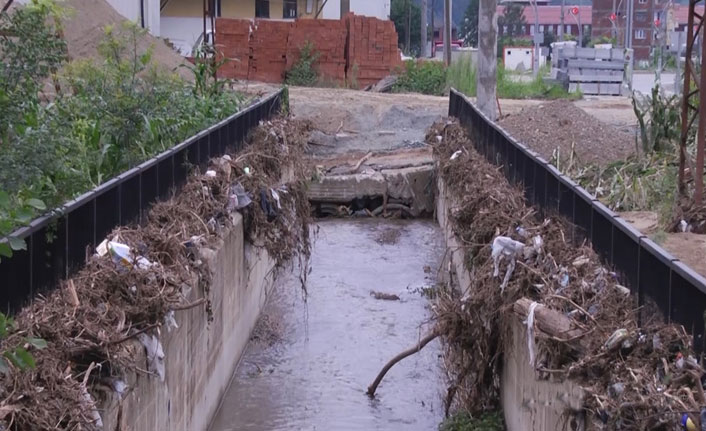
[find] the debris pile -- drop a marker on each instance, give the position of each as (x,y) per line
(528,267)
(141,274)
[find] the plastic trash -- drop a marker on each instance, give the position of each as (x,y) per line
(684,226)
(238,198)
(522,232)
(616,339)
(155,354)
(122,255)
(439,138)
(455,155)
(275,196)
(247,170)
(120,388)
(616,389)
(267,207)
(90,405)
(211,173)
(564,281)
(505,247)
(687,424)
(170,321)
(530,332)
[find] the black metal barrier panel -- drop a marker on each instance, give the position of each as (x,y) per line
(58,243)
(649,271)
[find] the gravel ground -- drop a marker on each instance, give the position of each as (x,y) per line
(560,124)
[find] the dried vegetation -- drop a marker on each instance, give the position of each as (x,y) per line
(87,322)
(634,377)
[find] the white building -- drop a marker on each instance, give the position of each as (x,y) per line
(375,8)
(143,12)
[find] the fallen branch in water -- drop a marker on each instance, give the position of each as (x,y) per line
(423,342)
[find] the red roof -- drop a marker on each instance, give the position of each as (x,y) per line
(552,14)
(681,13)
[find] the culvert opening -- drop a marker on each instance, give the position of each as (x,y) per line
(370,206)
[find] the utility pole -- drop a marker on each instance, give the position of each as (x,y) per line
(537,40)
(433,30)
(487,57)
(408,36)
(423,52)
(447,32)
(561,20)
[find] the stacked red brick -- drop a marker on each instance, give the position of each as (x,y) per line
(328,39)
(268,50)
(372,49)
(233,39)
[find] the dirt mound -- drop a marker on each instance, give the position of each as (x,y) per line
(635,377)
(560,124)
(87,322)
(84,29)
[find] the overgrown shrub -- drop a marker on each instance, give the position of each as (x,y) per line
(303,73)
(426,77)
(111,113)
(659,118)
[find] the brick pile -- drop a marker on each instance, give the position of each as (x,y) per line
(268,50)
(328,38)
(356,49)
(233,39)
(372,49)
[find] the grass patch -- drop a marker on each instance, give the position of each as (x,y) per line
(463,421)
(426,77)
(461,75)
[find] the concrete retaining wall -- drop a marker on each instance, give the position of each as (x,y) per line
(200,357)
(528,404)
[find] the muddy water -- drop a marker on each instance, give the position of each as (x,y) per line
(314,360)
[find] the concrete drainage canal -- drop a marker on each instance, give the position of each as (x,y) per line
(312,356)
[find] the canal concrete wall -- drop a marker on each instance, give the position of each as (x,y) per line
(529,404)
(199,356)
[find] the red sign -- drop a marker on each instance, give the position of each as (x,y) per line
(613,17)
(657,23)
(575,10)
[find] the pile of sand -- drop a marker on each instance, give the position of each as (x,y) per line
(85,28)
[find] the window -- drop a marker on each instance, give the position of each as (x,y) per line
(504,29)
(640,16)
(289,9)
(531,30)
(640,33)
(568,29)
(550,29)
(262,8)
(218,8)
(642,1)
(541,29)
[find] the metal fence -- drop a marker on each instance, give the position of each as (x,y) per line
(649,271)
(58,243)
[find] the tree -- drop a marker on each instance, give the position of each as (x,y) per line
(469,26)
(398,15)
(513,20)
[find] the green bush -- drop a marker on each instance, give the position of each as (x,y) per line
(461,75)
(110,115)
(465,422)
(303,73)
(426,77)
